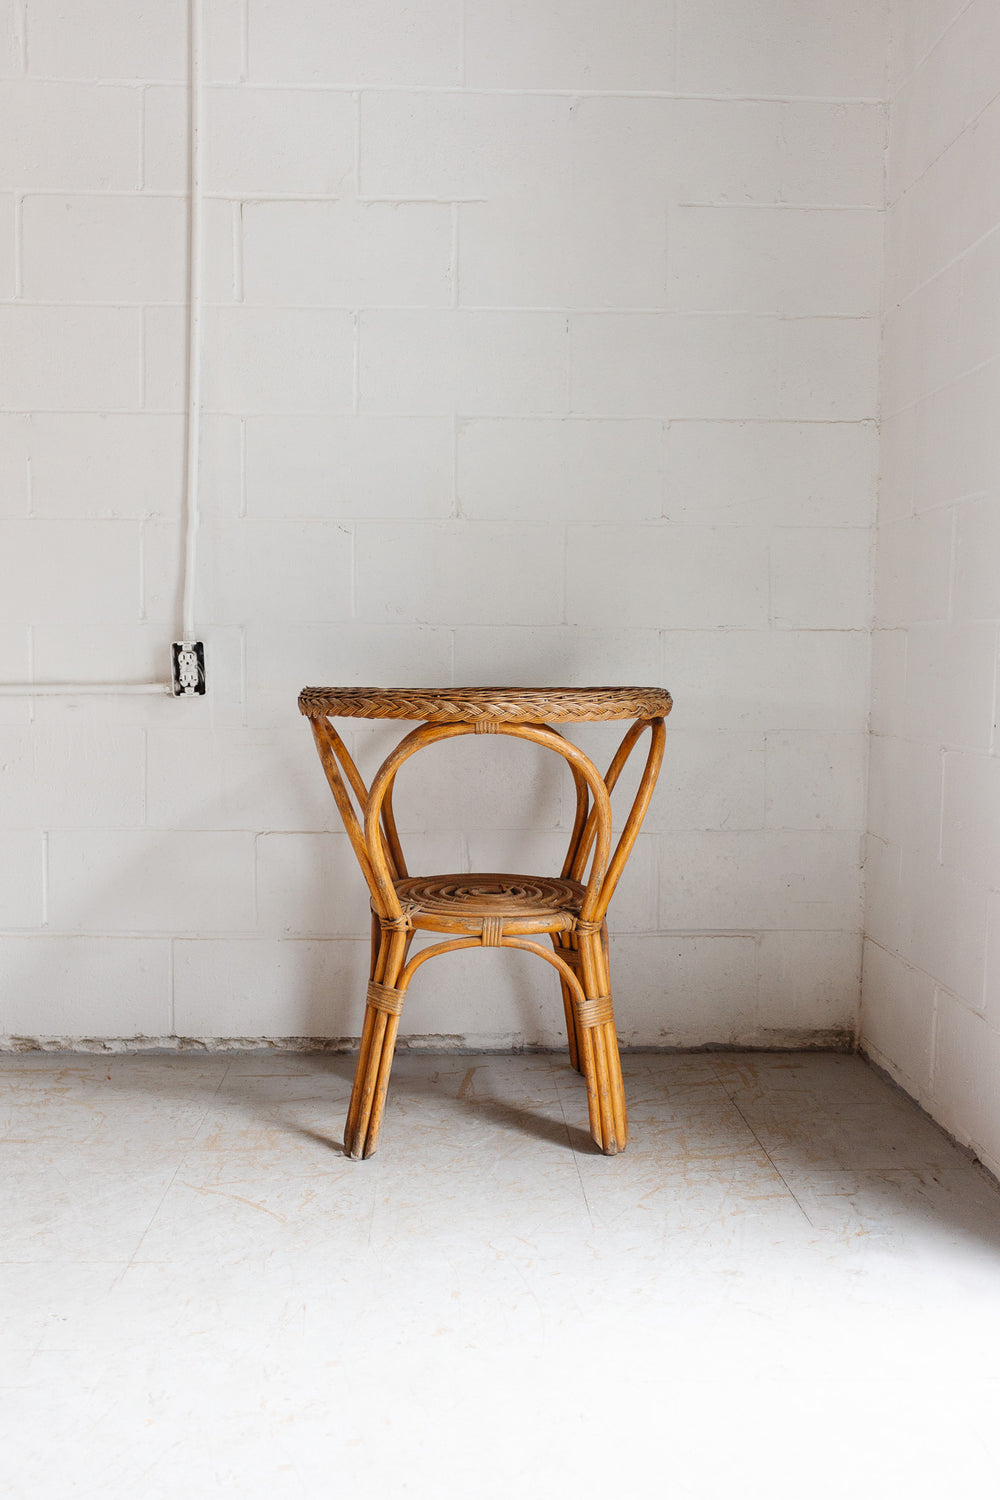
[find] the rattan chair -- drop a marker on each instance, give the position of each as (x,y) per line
(491,910)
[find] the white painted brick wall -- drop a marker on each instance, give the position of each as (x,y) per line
(717,782)
(395,254)
(107,39)
(725,367)
(69,571)
(438,573)
(931,1007)
(386,42)
(258,142)
(64,358)
(712,980)
(749,259)
(22,878)
(87,777)
(103,249)
(570,44)
(93,465)
(540,345)
(145,880)
(680,576)
(256,359)
(819,578)
(76,987)
(722,48)
(8,234)
(813,781)
(525,654)
(263,987)
(281,658)
(337,466)
(801,979)
(236,779)
(760,879)
(280,571)
(70,136)
(560,468)
(463,363)
(766,679)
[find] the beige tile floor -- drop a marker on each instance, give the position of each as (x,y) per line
(788,1286)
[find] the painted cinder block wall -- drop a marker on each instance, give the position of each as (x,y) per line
(931,1012)
(542,345)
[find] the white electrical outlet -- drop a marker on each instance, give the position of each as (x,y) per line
(188,669)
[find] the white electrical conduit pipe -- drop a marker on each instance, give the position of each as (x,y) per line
(191,498)
(80,689)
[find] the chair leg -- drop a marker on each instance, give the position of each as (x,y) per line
(378,1044)
(600,1057)
(376,945)
(571,1036)
(569,955)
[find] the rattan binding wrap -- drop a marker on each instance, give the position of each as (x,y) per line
(492,932)
(384,997)
(597,1011)
(471,705)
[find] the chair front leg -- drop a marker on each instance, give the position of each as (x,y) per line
(562,944)
(598,1045)
(383,1007)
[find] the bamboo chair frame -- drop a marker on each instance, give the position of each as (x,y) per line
(571,910)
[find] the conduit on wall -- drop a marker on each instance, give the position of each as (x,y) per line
(191,497)
(191,494)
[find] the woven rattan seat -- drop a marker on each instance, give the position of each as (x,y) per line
(491,910)
(527,903)
(468,704)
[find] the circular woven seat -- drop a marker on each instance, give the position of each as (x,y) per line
(504,705)
(524,903)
